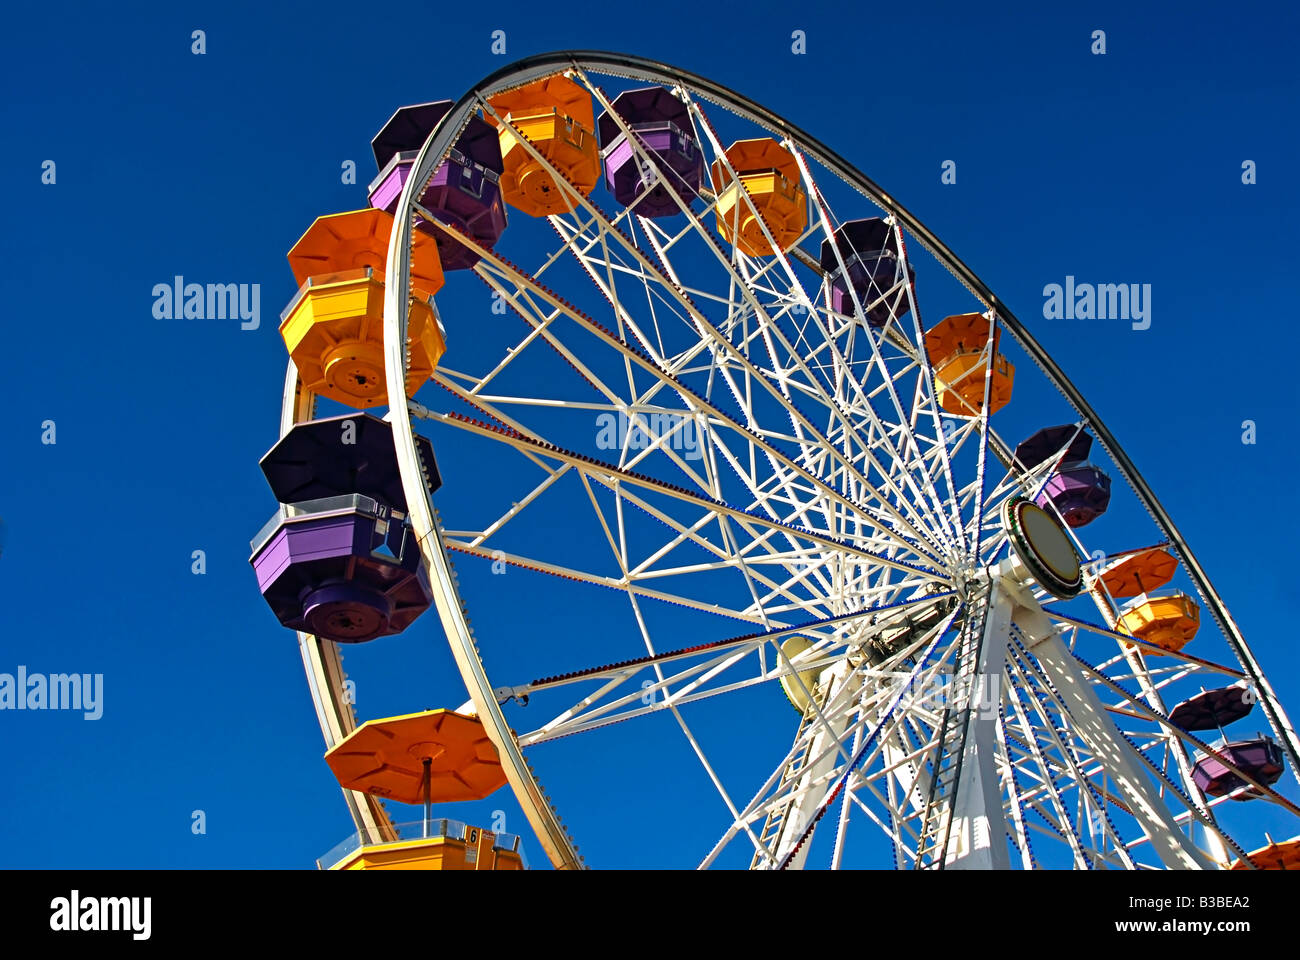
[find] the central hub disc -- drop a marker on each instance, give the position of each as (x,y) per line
(1043,548)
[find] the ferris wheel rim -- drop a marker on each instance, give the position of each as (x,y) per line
(321,660)
(543,818)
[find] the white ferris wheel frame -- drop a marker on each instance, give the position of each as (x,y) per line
(970,820)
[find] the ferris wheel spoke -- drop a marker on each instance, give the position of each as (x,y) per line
(927,381)
(826,219)
(689,683)
(695,401)
(569,573)
(1058,819)
(809,434)
(807,557)
(685,534)
(731,558)
(672,706)
(820,751)
(1075,763)
(858,405)
(611,475)
(882,616)
(977,518)
(905,750)
(772,332)
(813,765)
(1192,660)
(846,810)
(791,780)
(620,550)
(1011,785)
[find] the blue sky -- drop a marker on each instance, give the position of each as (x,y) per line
(1117,168)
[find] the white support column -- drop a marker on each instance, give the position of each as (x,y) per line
(977,840)
(809,792)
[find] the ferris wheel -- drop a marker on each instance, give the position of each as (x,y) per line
(792,564)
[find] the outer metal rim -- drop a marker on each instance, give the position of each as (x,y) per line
(550,832)
(321,660)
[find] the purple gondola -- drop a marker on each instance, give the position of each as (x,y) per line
(1046,444)
(1080,492)
(1261,758)
(464,191)
(873,269)
(1213,709)
(675,167)
(339,559)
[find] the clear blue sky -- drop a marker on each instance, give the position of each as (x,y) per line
(1123,167)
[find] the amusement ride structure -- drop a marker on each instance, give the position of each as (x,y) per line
(706,416)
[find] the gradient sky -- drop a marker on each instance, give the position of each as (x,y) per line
(1117,168)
